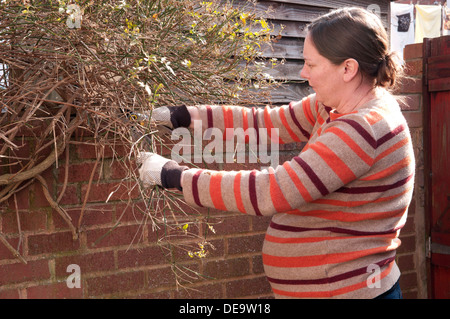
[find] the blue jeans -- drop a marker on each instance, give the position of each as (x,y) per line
(394,293)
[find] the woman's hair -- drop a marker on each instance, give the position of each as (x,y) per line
(357,34)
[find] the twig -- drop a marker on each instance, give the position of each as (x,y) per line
(11,249)
(56,207)
(66,174)
(88,191)
(42,166)
(19,228)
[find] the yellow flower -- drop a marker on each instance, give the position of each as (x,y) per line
(187,63)
(243,18)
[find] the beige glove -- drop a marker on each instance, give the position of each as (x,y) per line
(161,116)
(150,171)
(170,117)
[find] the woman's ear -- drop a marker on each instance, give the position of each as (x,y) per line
(351,69)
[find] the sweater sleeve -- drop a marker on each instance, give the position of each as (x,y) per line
(344,151)
(284,124)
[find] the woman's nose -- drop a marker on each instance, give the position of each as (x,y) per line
(304,73)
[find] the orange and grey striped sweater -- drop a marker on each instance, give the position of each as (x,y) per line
(337,208)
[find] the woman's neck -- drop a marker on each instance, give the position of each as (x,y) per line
(357,98)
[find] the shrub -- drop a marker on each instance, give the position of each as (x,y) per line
(84,64)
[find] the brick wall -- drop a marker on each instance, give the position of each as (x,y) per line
(116,250)
(118,253)
(411,254)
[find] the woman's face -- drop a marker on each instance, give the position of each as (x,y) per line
(323,76)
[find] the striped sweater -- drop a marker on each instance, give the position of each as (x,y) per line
(337,208)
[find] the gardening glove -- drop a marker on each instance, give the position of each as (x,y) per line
(160,120)
(166,118)
(171,116)
(157,170)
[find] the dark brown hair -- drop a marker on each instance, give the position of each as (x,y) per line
(358,34)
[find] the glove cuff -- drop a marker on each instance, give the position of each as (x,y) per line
(179,116)
(171,175)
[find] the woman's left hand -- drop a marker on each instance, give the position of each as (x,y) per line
(150,171)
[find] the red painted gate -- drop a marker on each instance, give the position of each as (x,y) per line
(437,162)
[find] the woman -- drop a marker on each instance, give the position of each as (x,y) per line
(339,205)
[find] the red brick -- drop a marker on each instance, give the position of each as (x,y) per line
(245,244)
(406,262)
(165,145)
(181,253)
(413,51)
(37,197)
(79,172)
(152,255)
(162,277)
(231,225)
(217,249)
(286,156)
(260,223)
(24,148)
(410,85)
(81,134)
(205,291)
(22,199)
(248,287)
(411,102)
(54,291)
(5,253)
(408,281)
(71,196)
(119,236)
(23,151)
(414,119)
(150,295)
(410,227)
(297,147)
(89,262)
(93,215)
(19,272)
(116,283)
(29,221)
(9,294)
(414,67)
(121,169)
(32,128)
(411,294)
(130,212)
(110,191)
(408,244)
(89,151)
(232,267)
(257,265)
(52,243)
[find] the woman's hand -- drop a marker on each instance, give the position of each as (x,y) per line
(172,116)
(157,170)
(151,168)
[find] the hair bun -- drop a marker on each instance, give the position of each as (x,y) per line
(389,71)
